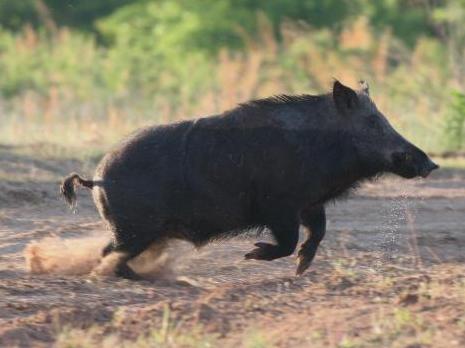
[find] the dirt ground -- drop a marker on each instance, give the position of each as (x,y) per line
(390,273)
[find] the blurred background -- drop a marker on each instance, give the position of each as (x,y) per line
(82,74)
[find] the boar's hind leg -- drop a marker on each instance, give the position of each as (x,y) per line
(127,253)
(286,235)
(315,222)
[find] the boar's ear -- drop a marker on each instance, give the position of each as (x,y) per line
(364,87)
(345,98)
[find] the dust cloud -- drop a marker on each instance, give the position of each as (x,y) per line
(82,256)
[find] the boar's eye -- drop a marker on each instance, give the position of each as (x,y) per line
(372,122)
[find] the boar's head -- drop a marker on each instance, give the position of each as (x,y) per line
(378,145)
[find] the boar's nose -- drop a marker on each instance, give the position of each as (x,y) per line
(428,168)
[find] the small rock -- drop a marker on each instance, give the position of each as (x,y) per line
(204,313)
(408,299)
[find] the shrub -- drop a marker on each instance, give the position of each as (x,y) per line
(455,122)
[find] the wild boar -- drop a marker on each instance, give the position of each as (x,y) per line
(270,163)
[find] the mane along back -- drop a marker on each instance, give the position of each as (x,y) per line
(282,99)
(279,111)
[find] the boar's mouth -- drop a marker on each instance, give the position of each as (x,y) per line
(410,166)
(428,168)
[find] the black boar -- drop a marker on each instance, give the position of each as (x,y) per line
(270,163)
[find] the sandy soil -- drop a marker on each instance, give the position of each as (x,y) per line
(394,253)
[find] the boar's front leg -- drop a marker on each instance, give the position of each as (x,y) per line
(286,234)
(314,220)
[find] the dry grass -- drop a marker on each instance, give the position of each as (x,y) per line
(304,62)
(348,309)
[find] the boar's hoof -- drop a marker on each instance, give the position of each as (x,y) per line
(124,271)
(304,263)
(264,251)
(108,249)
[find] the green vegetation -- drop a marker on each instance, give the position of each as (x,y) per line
(87,72)
(169,335)
(455,123)
(76,338)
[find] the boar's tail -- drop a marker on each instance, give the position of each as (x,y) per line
(68,187)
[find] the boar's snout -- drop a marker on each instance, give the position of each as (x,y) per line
(412,163)
(428,168)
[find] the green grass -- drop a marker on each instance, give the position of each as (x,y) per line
(169,335)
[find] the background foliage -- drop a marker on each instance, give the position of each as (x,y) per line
(106,67)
